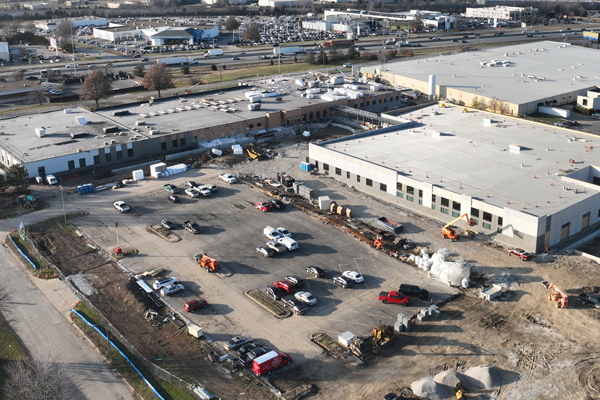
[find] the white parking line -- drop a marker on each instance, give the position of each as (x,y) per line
(379,272)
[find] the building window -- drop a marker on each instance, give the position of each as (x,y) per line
(499,229)
(338,171)
(433,198)
(119,155)
(163,145)
(487,226)
(456,206)
(258,124)
(420,194)
(474,212)
(383,187)
(410,198)
(433,206)
(195,139)
(585,220)
(358,180)
(175,143)
(81,162)
(72,164)
(500,221)
(251,126)
(129,152)
(410,190)
(347,174)
(445,202)
(444,210)
(41,171)
(487,216)
(400,194)
(107,157)
(369,182)
(399,187)
(182,141)
(325,167)
(455,214)
(474,221)
(420,202)
(97,159)
(584,103)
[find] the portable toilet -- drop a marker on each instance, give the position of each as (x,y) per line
(80,190)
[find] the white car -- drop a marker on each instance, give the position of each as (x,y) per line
(172,289)
(212,188)
(229,178)
(203,190)
(72,65)
(353,276)
(159,284)
(192,192)
(121,206)
(306,298)
(284,232)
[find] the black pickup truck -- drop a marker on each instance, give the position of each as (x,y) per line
(413,290)
(590,300)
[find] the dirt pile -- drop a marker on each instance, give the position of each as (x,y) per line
(428,389)
(449,379)
(484,377)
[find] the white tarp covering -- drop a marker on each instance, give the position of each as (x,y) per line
(454,273)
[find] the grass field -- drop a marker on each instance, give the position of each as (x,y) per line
(10,347)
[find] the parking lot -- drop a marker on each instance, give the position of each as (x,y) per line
(231,230)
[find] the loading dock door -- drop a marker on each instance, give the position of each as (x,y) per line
(564,231)
(585,221)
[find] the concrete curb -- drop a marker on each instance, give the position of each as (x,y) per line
(289,313)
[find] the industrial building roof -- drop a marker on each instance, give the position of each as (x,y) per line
(516,74)
(476,160)
(167,33)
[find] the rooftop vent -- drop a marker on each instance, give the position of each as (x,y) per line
(40,132)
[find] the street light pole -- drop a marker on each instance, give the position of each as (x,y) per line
(117,228)
(63,203)
(220,68)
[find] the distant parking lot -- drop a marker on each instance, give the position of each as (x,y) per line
(232,228)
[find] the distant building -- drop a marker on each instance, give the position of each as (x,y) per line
(158,31)
(35,6)
(280,3)
(73,3)
(502,12)
(51,24)
(4,51)
(120,4)
(369,19)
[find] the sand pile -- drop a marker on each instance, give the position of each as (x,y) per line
(484,376)
(428,389)
(449,379)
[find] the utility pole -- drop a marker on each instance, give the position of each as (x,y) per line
(118,249)
(279,63)
(220,68)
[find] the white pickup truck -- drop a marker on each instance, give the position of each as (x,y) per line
(229,178)
(272,233)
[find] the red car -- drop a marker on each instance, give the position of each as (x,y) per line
(286,286)
(195,305)
(522,254)
(264,206)
(393,297)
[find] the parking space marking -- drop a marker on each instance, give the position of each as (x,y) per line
(360,272)
(328,289)
(379,272)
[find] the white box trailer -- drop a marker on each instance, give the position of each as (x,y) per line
(214,52)
(177,60)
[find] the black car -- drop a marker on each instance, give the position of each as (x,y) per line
(291,302)
(174,199)
(192,227)
(413,290)
(590,300)
(316,272)
(276,293)
(32,78)
(277,204)
(342,282)
(167,224)
(246,348)
(144,59)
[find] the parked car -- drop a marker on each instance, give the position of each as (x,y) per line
(353,276)
(316,272)
(209,186)
(413,290)
(189,184)
(229,178)
(288,242)
(159,284)
(192,227)
(172,289)
(247,347)
(306,297)
(203,190)
(236,342)
(195,304)
(284,232)
(174,198)
(298,282)
(341,281)
(277,247)
(265,251)
(171,188)
(296,305)
(286,286)
(522,254)
(192,192)
(264,206)
(275,292)
(167,224)
(121,206)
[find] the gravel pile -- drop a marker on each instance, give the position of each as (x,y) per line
(484,376)
(449,379)
(428,389)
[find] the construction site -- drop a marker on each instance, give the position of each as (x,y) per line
(491,326)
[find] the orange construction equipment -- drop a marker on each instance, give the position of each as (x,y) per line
(378,244)
(207,262)
(448,230)
(557,295)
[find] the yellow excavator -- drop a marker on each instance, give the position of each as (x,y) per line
(253,154)
(448,230)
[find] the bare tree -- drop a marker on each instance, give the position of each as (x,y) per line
(417,24)
(30,27)
(40,377)
(503,107)
(96,86)
(493,104)
(483,105)
(475,103)
(252,32)
(158,78)
(64,31)
(231,23)
(12,28)
(38,95)
(18,75)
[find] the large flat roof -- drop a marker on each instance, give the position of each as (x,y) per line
(565,68)
(472,159)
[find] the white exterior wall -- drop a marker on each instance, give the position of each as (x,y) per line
(210,33)
(60,164)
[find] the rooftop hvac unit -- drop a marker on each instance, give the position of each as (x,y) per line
(113,142)
(79,150)
(106,143)
(40,132)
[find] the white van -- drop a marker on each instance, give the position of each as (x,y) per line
(271,233)
(289,243)
(51,180)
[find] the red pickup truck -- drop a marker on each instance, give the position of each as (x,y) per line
(393,297)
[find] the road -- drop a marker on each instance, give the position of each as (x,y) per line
(37,323)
